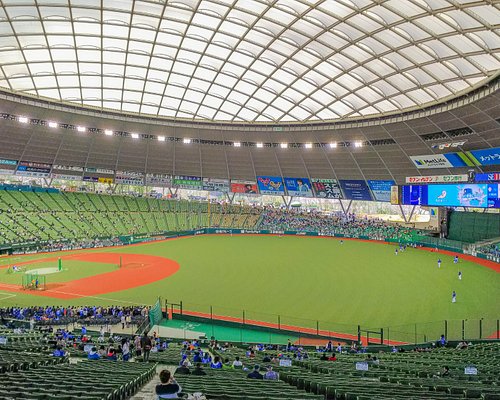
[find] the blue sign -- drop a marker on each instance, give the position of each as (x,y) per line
(489,177)
(271,185)
(299,187)
(486,156)
(469,195)
(355,190)
(381,189)
(8,162)
(461,195)
(414,195)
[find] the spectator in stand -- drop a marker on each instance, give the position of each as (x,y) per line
(207,358)
(198,370)
(146,346)
(125,349)
(111,356)
(184,368)
(168,388)
(197,357)
(102,352)
(271,375)
(255,374)
(237,364)
(216,364)
(59,352)
(93,354)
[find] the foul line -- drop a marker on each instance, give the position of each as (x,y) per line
(7,295)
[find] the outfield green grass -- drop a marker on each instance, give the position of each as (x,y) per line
(309,278)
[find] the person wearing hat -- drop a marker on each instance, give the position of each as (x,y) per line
(255,374)
(93,354)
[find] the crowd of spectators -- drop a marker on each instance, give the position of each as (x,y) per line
(492,251)
(348,225)
(86,315)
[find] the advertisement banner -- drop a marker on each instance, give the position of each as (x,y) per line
(7,171)
(122,180)
(472,195)
(66,177)
(102,171)
(8,162)
(355,190)
(326,188)
(90,179)
(414,195)
(129,178)
(298,187)
(34,169)
(437,179)
(216,185)
(448,160)
(461,195)
(485,157)
(67,168)
(248,187)
(489,177)
(270,185)
(129,174)
(109,181)
(381,189)
(188,182)
(395,195)
(158,180)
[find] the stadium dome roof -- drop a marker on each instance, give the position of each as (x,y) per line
(249,61)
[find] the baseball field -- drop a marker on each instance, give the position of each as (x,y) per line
(300,278)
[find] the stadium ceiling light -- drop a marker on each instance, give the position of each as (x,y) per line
(108,132)
(308,145)
(358,144)
(81,128)
(161,138)
(333,145)
(237,144)
(260,145)
(53,124)
(23,120)
(284,145)
(186,141)
(135,135)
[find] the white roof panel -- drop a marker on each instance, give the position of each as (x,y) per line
(249,60)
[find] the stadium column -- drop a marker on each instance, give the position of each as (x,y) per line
(403,213)
(287,202)
(344,209)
